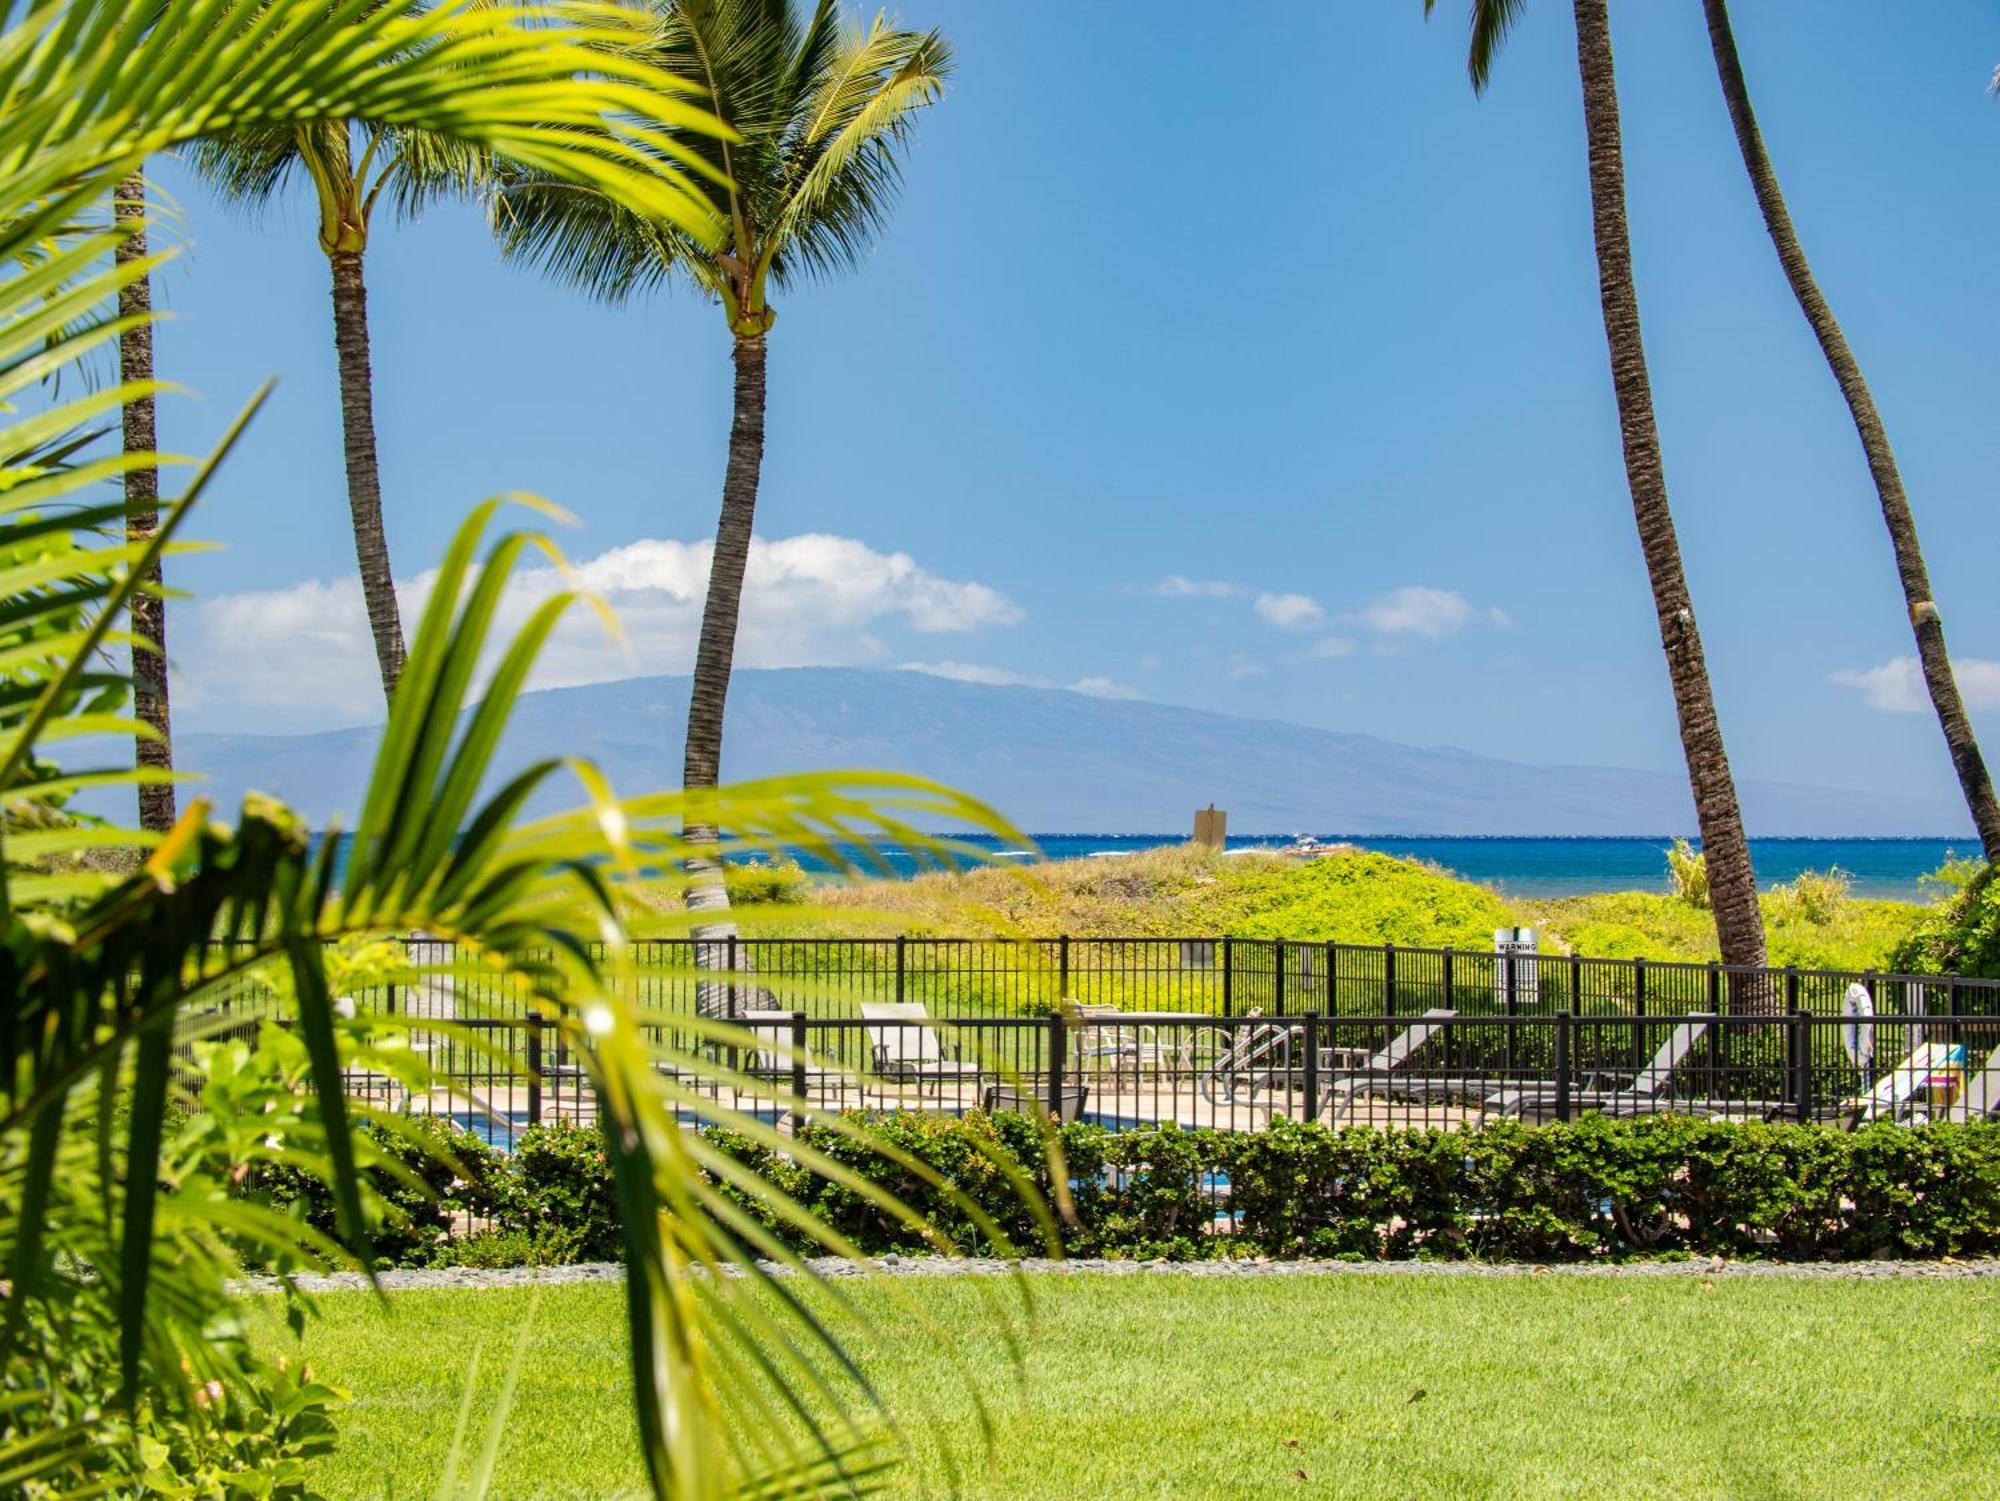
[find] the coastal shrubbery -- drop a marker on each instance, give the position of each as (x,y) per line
(1960,937)
(1596,1188)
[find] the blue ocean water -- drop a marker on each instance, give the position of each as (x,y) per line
(1525,867)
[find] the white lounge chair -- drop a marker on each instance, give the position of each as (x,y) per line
(904,1046)
(1642,1096)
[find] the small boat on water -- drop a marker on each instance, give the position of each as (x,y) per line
(1310,848)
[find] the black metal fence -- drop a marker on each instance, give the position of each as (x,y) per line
(1205,1032)
(1217,976)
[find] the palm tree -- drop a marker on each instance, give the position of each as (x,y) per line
(821,113)
(1739,924)
(350,167)
(154,749)
(1973,780)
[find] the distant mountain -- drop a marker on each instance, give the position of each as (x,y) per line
(1056,760)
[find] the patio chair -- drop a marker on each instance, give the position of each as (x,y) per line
(1643,1095)
(905,1047)
(1101,1037)
(1980,1099)
(1379,1074)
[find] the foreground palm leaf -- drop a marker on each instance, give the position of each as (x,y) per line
(105,975)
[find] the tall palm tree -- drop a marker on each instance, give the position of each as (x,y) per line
(1973,779)
(155,749)
(1739,924)
(821,111)
(350,166)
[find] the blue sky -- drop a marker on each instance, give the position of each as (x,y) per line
(1274,308)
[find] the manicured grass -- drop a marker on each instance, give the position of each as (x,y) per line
(1350,1386)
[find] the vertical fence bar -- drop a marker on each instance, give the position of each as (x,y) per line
(1802,1079)
(1332,955)
(1278,977)
(1062,967)
(1450,1000)
(534,1069)
(1576,982)
(1388,979)
(1057,1042)
(1639,1011)
(1563,1043)
(1312,1066)
(1228,977)
(902,964)
(798,1072)
(1508,1002)
(1715,987)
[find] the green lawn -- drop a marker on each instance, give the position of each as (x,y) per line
(1348,1386)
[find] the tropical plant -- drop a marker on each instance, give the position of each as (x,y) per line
(351,165)
(1687,874)
(1739,924)
(821,113)
(111,1242)
(1974,781)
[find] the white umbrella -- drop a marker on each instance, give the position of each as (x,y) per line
(1857,1008)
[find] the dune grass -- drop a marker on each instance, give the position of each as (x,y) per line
(1195,1388)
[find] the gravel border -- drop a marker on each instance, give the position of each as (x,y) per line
(943,1266)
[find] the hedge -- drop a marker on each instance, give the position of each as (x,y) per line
(1596,1188)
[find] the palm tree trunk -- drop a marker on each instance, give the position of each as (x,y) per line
(1973,779)
(364,477)
(715,656)
(142,516)
(1739,925)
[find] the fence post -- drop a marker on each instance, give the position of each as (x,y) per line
(798,1071)
(1802,1079)
(1388,980)
(1312,1066)
(729,964)
(1450,1000)
(1332,950)
(1791,987)
(1057,1042)
(1277,977)
(1562,1065)
(1714,987)
(1062,967)
(534,1068)
(902,945)
(1508,1006)
(1576,982)
(1228,977)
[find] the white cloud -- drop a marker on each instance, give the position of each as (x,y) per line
(300,656)
(1096,687)
(1331,646)
(1174,586)
(1001,677)
(1897,686)
(1500,618)
(1241,666)
(1290,612)
(1418,610)
(974,672)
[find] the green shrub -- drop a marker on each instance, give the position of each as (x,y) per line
(559,1183)
(758,883)
(1961,937)
(421,1176)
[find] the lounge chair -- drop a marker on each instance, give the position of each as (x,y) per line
(1103,1037)
(905,1047)
(1379,1073)
(1643,1095)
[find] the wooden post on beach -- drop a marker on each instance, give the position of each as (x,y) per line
(1211,827)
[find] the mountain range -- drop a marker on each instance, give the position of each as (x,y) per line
(1052,759)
